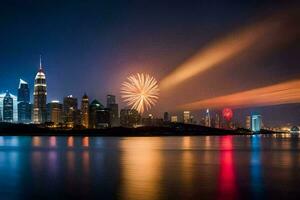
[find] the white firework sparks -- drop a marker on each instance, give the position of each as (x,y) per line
(140,91)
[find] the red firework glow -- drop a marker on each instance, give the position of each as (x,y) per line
(227,114)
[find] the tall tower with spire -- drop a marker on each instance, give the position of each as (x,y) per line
(40,96)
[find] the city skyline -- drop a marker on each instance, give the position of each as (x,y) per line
(149,99)
(100,64)
(197,115)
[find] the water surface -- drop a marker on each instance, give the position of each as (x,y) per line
(198,167)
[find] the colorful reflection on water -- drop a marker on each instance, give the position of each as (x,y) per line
(225,167)
(227,176)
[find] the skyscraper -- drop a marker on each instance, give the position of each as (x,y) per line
(8,110)
(23,92)
(113,110)
(207,118)
(54,112)
(24,106)
(85,111)
(110,99)
(174,118)
(99,116)
(40,97)
(256,123)
(166,117)
(14,106)
(248,122)
(217,121)
(186,117)
(70,107)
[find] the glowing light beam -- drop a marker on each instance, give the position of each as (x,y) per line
(226,48)
(282,93)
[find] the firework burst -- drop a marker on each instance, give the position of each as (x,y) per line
(140,91)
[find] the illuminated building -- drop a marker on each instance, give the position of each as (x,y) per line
(70,111)
(113,110)
(207,118)
(5,107)
(174,118)
(256,123)
(166,117)
(248,122)
(8,110)
(23,91)
(186,117)
(24,106)
(217,121)
(24,112)
(40,97)
(295,129)
(85,111)
(54,112)
(99,116)
(152,121)
(129,117)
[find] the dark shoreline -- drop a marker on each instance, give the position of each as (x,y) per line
(7,129)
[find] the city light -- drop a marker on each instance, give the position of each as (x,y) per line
(140,91)
(283,93)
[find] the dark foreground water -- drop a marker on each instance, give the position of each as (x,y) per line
(225,167)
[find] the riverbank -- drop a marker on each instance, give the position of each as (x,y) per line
(170,130)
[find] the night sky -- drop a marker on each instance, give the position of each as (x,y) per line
(92,46)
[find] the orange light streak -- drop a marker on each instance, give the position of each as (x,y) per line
(283,93)
(224,49)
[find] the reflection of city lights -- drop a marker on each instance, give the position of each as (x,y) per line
(1,141)
(70,141)
(36,141)
(283,93)
(140,156)
(85,141)
(52,141)
(186,142)
(227,180)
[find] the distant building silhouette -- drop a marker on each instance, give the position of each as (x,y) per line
(217,121)
(248,122)
(129,117)
(207,118)
(85,111)
(99,116)
(166,117)
(110,99)
(113,110)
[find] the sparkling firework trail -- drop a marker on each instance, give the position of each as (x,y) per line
(140,91)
